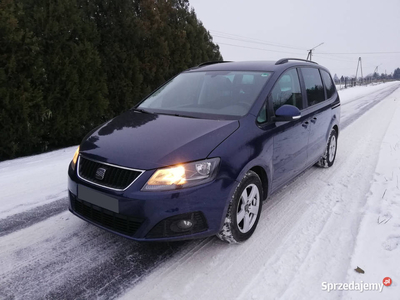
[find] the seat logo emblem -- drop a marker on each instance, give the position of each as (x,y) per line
(100,173)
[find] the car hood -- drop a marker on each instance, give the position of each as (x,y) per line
(148,141)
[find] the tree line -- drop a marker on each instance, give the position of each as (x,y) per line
(68,65)
(395,75)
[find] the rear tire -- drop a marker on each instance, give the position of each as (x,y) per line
(244,210)
(329,157)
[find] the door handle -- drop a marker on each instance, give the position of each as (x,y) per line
(305,124)
(314,120)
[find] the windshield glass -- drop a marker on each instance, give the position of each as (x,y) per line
(202,94)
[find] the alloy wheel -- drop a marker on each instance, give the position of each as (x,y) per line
(248,207)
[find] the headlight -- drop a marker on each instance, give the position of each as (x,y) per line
(184,175)
(75,158)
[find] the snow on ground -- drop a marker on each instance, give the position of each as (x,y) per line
(31,181)
(318,228)
(378,240)
(357,92)
(64,257)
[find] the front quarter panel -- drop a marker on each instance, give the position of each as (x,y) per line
(244,149)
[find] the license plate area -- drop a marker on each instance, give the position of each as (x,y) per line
(97,198)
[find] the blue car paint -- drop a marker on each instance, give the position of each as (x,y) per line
(150,141)
(156,206)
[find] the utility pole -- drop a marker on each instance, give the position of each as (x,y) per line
(359,64)
(309,56)
(376,69)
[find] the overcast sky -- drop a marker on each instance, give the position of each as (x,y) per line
(345,26)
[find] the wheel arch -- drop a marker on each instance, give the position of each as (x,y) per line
(336,127)
(263,171)
(264,179)
(334,124)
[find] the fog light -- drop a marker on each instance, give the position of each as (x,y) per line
(182,225)
(185,224)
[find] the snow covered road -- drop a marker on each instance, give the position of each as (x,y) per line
(313,230)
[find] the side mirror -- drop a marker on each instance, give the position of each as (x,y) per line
(287,113)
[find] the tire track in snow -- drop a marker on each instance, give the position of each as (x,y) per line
(64,257)
(370,101)
(366,96)
(28,218)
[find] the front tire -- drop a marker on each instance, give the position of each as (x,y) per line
(330,153)
(244,210)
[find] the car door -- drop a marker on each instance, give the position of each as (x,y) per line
(290,139)
(318,113)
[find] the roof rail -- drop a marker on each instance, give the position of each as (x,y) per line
(285,60)
(211,63)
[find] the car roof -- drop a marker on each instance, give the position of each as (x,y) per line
(266,66)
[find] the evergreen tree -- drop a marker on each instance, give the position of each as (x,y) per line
(119,37)
(67,65)
(74,87)
(336,78)
(396,74)
(21,99)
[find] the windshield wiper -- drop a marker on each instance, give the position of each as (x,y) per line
(178,115)
(143,111)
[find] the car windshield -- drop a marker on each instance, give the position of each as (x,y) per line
(222,94)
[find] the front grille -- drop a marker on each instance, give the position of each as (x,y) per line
(116,222)
(166,227)
(114,177)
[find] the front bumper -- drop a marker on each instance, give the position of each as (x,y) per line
(148,216)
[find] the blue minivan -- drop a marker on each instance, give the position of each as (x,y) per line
(199,155)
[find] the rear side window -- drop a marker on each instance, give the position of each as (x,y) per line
(287,90)
(329,86)
(314,87)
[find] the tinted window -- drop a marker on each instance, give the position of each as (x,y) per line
(329,86)
(287,90)
(314,87)
(222,93)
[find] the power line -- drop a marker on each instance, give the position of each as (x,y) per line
(262,49)
(254,42)
(260,40)
(274,44)
(357,53)
(334,57)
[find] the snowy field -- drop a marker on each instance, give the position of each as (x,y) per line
(316,230)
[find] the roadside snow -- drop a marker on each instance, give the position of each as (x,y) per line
(357,92)
(33,181)
(377,249)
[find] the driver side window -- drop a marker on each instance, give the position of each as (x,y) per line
(287,90)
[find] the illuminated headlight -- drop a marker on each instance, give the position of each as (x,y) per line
(75,158)
(181,176)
